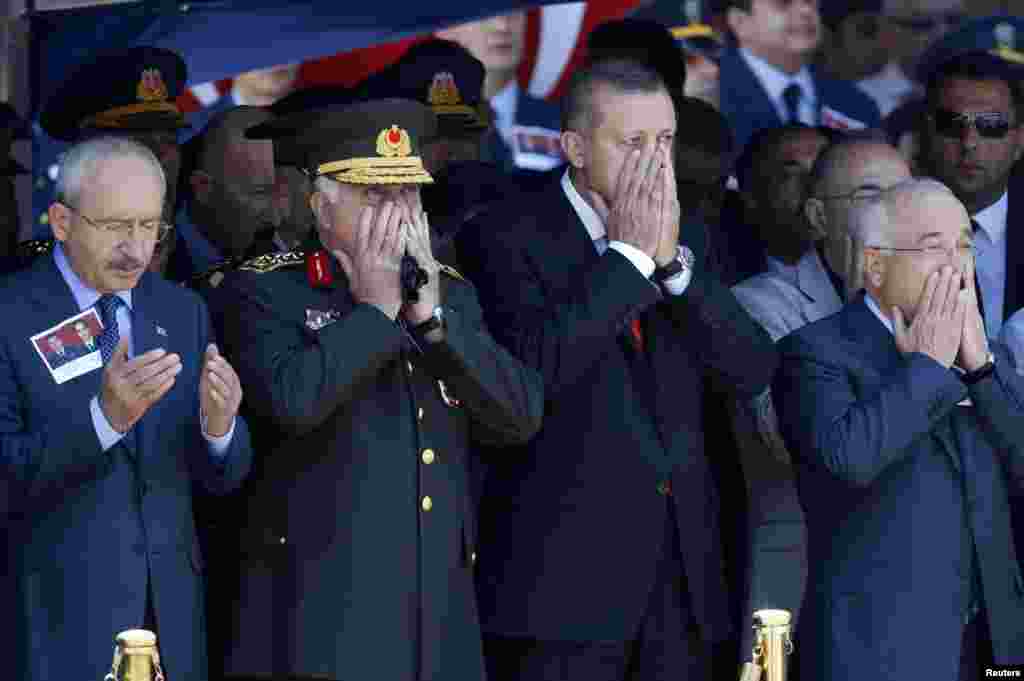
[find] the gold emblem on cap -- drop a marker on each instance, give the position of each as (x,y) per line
(443,90)
(151,86)
(1006,43)
(394,141)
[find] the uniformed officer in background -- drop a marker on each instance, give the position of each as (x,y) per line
(357,550)
(129,92)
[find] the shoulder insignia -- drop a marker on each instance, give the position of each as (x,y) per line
(34,248)
(451,272)
(274,261)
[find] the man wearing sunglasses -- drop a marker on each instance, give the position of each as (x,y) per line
(971,138)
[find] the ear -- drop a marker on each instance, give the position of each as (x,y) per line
(874,267)
(574,148)
(59,216)
(201,183)
(319,204)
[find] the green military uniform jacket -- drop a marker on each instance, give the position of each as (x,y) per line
(358,544)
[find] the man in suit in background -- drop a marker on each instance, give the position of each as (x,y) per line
(600,551)
(766,76)
(972,136)
(525,131)
(783,299)
(907,432)
(103,466)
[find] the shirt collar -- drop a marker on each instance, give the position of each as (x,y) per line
(992,220)
(591,220)
(85,296)
(873,306)
(774,80)
(506,102)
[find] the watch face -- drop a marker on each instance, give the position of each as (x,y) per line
(687,257)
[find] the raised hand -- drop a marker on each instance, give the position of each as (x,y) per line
(633,218)
(374,265)
(131,387)
(418,244)
(667,201)
(220,393)
(938,326)
(974,348)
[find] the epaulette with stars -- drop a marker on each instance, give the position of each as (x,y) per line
(273,261)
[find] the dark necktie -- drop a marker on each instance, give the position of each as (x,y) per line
(108,305)
(791,96)
(977,284)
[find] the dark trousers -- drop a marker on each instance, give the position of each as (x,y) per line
(667,646)
(976,648)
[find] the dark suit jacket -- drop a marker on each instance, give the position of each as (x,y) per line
(887,466)
(748,108)
(572,523)
(88,525)
(342,574)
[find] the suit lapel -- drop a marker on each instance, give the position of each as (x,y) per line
(144,339)
(49,290)
(1013,299)
(820,298)
(879,347)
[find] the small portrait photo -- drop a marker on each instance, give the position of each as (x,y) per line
(72,347)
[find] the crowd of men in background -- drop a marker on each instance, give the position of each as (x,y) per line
(427,378)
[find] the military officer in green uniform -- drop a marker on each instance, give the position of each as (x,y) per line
(357,548)
(129,92)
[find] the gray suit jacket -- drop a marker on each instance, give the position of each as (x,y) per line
(777,563)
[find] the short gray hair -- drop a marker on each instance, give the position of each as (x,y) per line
(81,162)
(869,220)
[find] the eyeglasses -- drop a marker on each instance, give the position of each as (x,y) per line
(858,194)
(963,251)
(990,125)
(151,229)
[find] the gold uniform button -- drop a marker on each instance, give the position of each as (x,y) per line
(419,414)
(284,540)
(428,457)
(427,503)
(408,365)
(472,558)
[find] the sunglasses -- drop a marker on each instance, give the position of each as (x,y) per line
(991,125)
(926,23)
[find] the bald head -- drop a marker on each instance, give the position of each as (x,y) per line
(233,185)
(854,164)
(224,147)
(908,213)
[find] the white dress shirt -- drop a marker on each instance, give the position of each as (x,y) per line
(990,241)
(775,82)
(86,297)
(599,235)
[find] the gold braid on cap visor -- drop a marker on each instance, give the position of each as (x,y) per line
(404,170)
(115,118)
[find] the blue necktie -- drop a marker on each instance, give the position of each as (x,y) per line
(791,96)
(108,305)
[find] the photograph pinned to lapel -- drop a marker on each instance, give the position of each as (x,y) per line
(70,348)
